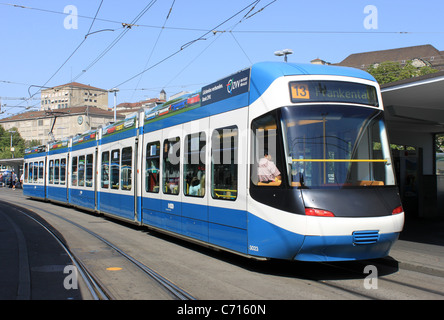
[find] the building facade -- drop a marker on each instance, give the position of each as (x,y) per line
(36,125)
(72,95)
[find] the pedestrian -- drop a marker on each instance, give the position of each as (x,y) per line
(13,180)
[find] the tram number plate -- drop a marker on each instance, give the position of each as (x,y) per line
(300,91)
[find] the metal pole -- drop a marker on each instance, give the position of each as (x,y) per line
(115,101)
(115,104)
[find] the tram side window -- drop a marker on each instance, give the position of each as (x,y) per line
(171,166)
(115,169)
(30,165)
(105,170)
(51,172)
(127,154)
(41,172)
(267,164)
(56,171)
(152,174)
(81,178)
(74,171)
(194,165)
(89,170)
(224,166)
(62,171)
(25,179)
(36,172)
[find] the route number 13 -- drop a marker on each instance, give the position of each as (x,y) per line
(300,91)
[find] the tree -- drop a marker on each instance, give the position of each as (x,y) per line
(5,143)
(391,71)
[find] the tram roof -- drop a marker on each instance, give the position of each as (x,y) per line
(264,73)
(279,69)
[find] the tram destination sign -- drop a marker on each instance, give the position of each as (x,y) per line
(333,91)
(225,88)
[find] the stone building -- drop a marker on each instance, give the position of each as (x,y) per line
(72,95)
(66,122)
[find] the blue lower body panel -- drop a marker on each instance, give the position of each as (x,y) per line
(82,198)
(121,205)
(34,191)
(57,194)
(218,226)
(269,241)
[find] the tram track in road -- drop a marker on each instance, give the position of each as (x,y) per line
(210,274)
(96,286)
(373,286)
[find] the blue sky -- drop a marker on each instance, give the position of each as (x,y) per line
(37,40)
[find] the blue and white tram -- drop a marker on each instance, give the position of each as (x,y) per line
(279,160)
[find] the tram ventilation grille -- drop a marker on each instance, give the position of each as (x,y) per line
(365,237)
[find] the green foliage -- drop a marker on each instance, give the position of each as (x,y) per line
(5,144)
(439,143)
(391,71)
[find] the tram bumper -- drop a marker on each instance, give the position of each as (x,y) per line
(344,248)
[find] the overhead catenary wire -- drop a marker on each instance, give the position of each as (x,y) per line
(155,44)
(248,15)
(186,45)
(126,28)
(218,33)
(67,59)
(369,32)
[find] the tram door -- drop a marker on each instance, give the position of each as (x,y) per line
(227,170)
(151,176)
(170,177)
(195,182)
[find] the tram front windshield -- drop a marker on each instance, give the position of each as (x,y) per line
(336,146)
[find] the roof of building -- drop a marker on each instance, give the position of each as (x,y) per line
(425,52)
(31,115)
(137,105)
(76,85)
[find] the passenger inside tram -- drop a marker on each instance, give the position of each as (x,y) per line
(268,173)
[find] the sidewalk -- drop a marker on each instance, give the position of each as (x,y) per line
(421,246)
